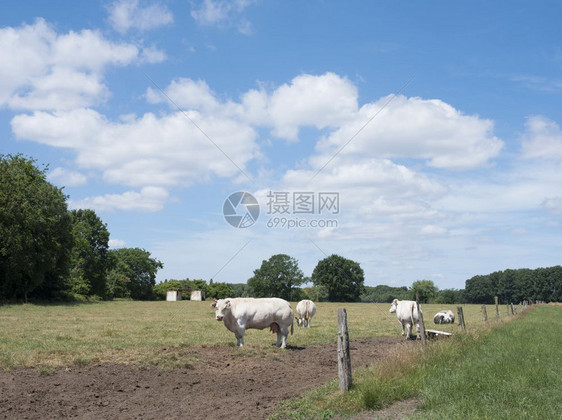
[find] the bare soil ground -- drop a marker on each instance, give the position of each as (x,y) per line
(224,382)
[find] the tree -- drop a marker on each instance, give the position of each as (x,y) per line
(342,278)
(426,290)
(35,231)
(277,277)
(385,294)
(136,270)
(219,291)
(90,261)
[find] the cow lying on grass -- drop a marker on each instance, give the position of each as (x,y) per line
(240,314)
(407,313)
(444,317)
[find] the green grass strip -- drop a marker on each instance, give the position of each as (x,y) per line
(512,370)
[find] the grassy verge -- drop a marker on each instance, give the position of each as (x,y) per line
(508,369)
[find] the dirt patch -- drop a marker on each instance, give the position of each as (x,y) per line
(224,382)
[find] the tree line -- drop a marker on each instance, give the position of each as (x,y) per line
(48,252)
(511,286)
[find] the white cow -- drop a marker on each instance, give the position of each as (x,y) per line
(444,317)
(407,313)
(240,314)
(305,311)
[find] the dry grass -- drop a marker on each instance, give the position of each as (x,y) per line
(136,332)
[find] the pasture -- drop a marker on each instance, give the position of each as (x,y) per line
(172,359)
(45,336)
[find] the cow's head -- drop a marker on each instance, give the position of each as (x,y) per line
(300,321)
(393,306)
(222,306)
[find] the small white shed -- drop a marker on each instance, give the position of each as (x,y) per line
(173,295)
(197,295)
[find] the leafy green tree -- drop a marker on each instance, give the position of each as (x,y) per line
(385,294)
(240,289)
(137,271)
(35,231)
(160,289)
(90,261)
(277,277)
(342,278)
(426,290)
(479,289)
(219,291)
(450,296)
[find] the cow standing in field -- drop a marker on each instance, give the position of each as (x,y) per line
(407,313)
(240,314)
(444,317)
(305,311)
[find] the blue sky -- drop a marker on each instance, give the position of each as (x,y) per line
(436,123)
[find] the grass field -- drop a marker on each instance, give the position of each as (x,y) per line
(135,332)
(498,371)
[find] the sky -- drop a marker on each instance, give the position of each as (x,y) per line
(419,139)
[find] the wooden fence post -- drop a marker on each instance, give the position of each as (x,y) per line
(344,359)
(461,318)
(484,313)
(513,312)
(497,308)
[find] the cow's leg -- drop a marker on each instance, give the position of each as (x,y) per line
(239,334)
(282,337)
(240,330)
(409,328)
(402,325)
(308,325)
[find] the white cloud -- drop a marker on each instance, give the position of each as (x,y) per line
(415,128)
(125,15)
(223,13)
(149,199)
(47,70)
(542,139)
(320,101)
(64,177)
(116,243)
(149,150)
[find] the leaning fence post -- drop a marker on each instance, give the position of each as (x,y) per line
(484,313)
(461,318)
(497,308)
(344,359)
(422,323)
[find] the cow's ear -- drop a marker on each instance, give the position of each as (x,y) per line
(214,304)
(227,303)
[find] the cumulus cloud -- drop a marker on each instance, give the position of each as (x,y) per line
(125,15)
(64,177)
(50,71)
(148,150)
(542,139)
(223,13)
(148,199)
(415,128)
